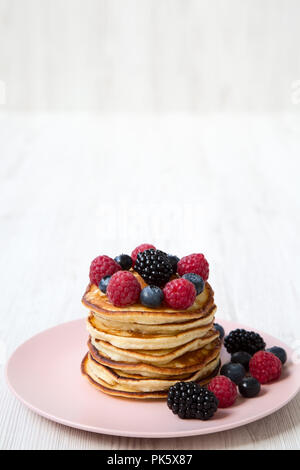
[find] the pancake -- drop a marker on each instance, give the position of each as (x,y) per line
(130,340)
(109,379)
(104,388)
(165,328)
(98,302)
(180,367)
(139,352)
(155,356)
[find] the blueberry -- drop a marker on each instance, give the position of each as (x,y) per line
(104,283)
(174,261)
(220,329)
(196,280)
(125,261)
(279,352)
(241,357)
(235,372)
(249,387)
(151,296)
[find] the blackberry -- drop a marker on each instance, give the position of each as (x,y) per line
(154,267)
(190,400)
(242,340)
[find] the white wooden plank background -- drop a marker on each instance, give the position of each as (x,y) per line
(149,55)
(75,186)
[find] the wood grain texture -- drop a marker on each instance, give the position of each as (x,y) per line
(75,186)
(149,55)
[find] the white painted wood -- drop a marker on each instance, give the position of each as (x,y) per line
(75,186)
(150,55)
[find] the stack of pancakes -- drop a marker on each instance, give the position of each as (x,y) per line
(139,352)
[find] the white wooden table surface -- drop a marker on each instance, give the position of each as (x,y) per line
(75,186)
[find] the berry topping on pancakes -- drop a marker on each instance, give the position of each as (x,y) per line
(123,289)
(140,248)
(195,263)
(102,266)
(179,294)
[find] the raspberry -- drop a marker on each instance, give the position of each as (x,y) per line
(265,367)
(102,266)
(224,389)
(195,263)
(179,294)
(138,249)
(123,289)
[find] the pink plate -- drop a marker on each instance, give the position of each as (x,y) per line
(44,373)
